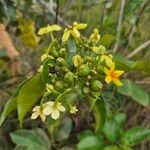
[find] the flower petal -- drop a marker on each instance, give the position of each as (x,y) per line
(50,103)
(75,33)
(34,115)
(43,117)
(108,61)
(47,110)
(36,108)
(61,108)
(108,79)
(106,71)
(117,82)
(81,26)
(118,73)
(55,114)
(55,27)
(66,35)
(42,31)
(112,66)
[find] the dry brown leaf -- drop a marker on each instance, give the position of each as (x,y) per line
(6,42)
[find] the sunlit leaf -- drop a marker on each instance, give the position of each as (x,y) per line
(120,118)
(89,143)
(135,135)
(99,111)
(31,139)
(136,92)
(29,95)
(11,104)
(122,63)
(111,130)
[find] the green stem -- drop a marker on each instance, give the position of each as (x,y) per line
(52,37)
(59,97)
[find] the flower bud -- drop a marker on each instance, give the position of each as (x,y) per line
(102,49)
(62,52)
(96,85)
(86,90)
(69,78)
(54,53)
(44,56)
(77,60)
(61,61)
(59,86)
(83,70)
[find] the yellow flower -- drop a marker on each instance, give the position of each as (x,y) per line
(73,30)
(53,109)
(99,50)
(46,55)
(38,111)
(73,109)
(107,59)
(48,29)
(113,75)
(95,36)
(77,60)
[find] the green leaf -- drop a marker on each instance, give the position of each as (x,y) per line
(135,135)
(99,111)
(107,39)
(63,131)
(122,63)
(136,92)
(85,133)
(45,71)
(132,6)
(111,130)
(31,139)
(11,103)
(89,143)
(143,66)
(120,118)
(29,95)
(111,147)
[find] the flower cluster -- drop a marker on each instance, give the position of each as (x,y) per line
(73,75)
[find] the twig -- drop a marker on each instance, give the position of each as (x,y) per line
(137,19)
(57,11)
(119,26)
(143,82)
(138,49)
(103,12)
(51,10)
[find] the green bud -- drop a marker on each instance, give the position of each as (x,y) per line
(62,52)
(96,85)
(100,67)
(69,78)
(54,53)
(83,70)
(102,49)
(89,77)
(61,61)
(87,83)
(86,90)
(59,85)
